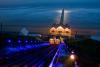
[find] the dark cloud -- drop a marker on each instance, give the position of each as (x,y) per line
(38,17)
(19,2)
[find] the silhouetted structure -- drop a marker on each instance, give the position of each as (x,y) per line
(61,29)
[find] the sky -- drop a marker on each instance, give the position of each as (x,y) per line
(18,2)
(39,15)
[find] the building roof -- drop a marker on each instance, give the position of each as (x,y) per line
(64,26)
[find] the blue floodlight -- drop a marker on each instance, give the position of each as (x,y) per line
(31,41)
(9,41)
(26,41)
(19,41)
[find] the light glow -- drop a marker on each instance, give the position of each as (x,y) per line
(9,41)
(60,28)
(19,41)
(72,57)
(51,41)
(65,11)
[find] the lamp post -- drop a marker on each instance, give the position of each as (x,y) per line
(73,58)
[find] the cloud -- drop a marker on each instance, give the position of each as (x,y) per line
(15,2)
(18,2)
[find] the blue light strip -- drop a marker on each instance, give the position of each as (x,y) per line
(52,62)
(58,54)
(47,56)
(23,48)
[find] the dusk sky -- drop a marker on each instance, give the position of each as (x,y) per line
(38,15)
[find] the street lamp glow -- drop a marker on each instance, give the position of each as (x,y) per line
(19,41)
(72,52)
(72,57)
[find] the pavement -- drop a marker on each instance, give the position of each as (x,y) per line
(34,56)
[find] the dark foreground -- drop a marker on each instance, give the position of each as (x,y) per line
(34,52)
